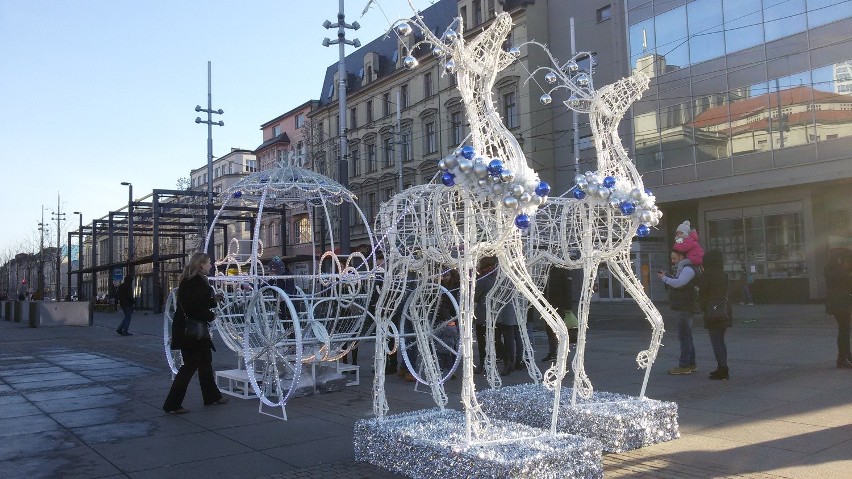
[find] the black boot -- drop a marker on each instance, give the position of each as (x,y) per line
(844,363)
(720,374)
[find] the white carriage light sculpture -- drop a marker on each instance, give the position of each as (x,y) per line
(486,197)
(279,323)
(593,224)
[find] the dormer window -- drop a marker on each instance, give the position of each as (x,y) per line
(395,58)
(330,90)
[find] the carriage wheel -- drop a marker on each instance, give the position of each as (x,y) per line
(173,356)
(272,346)
(424,305)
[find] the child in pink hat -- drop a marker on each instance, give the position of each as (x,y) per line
(686,242)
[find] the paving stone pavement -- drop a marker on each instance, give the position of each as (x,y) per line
(83,402)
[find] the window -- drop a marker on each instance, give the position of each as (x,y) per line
(276,130)
(403,96)
(230,167)
(371,157)
(477,12)
(369,107)
(389,153)
(463,14)
(456,128)
(300,120)
(303,230)
(355,160)
(388,193)
(510,110)
(386,104)
(371,206)
(586,142)
(216,173)
(405,139)
(330,90)
(427,84)
(604,13)
(320,130)
(353,117)
(429,143)
(369,73)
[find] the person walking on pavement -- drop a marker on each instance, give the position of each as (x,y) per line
(195,300)
(124,294)
(682,299)
(713,289)
(558,292)
(838,302)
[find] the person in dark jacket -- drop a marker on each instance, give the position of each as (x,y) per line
(712,288)
(485,279)
(558,292)
(838,302)
(124,294)
(682,299)
(195,300)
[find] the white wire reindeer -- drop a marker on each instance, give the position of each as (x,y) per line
(595,223)
(486,195)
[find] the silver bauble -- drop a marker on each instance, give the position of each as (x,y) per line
(646,216)
(409,62)
(536,200)
(515,52)
(480,170)
(507,175)
(510,202)
(635,193)
(525,198)
(647,203)
(572,67)
(442,163)
(465,165)
(451,35)
(482,182)
(551,77)
(451,161)
(578,178)
(438,51)
(583,184)
(593,181)
(517,190)
(654,222)
(497,188)
(590,176)
(450,67)
(545,99)
(582,79)
(615,203)
(603,191)
(403,29)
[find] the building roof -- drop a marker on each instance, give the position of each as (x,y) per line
(282,138)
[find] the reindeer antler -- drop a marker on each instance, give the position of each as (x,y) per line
(570,77)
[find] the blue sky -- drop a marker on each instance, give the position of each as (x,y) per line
(96,92)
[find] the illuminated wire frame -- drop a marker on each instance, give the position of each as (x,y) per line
(484,198)
(275,321)
(595,222)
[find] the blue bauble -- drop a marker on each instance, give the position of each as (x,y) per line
(643,230)
(495,166)
(522,221)
(648,192)
(543,189)
(579,194)
(627,208)
(467,152)
(609,182)
(448,179)
(238,194)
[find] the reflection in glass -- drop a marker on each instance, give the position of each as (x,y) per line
(783,18)
(711,127)
(791,119)
(785,245)
(671,39)
(676,135)
(743,28)
(646,133)
(749,129)
(821,12)
(832,97)
(641,41)
(706,30)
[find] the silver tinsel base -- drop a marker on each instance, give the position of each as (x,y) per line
(430,444)
(620,422)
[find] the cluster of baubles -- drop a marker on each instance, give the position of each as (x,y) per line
(621,196)
(490,180)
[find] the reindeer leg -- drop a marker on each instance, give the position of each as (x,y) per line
(621,267)
(521,308)
(582,385)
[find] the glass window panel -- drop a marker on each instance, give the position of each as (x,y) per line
(743,24)
(832,101)
(727,236)
(676,135)
(641,40)
(710,127)
(782,18)
(672,36)
(706,30)
(785,245)
(749,112)
(821,12)
(791,118)
(647,140)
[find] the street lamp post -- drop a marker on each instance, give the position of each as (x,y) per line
(58,216)
(209,122)
(129,228)
(343,162)
(79,259)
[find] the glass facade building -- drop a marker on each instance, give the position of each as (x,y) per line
(746,129)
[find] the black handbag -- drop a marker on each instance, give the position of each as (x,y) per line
(193,329)
(717,312)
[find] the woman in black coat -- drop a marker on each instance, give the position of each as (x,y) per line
(713,288)
(838,303)
(195,299)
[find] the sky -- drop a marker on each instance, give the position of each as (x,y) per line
(98,92)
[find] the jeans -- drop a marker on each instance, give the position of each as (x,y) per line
(717,340)
(684,334)
(510,349)
(125,324)
(200,359)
